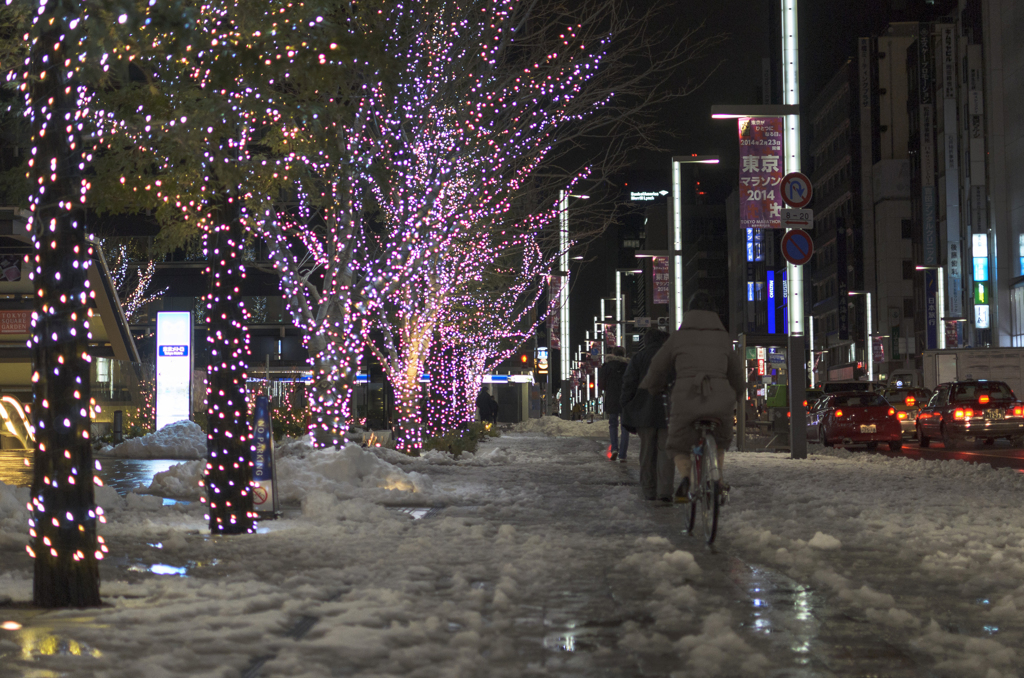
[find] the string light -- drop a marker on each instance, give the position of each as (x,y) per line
(63,511)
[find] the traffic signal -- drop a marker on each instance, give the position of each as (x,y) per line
(524,358)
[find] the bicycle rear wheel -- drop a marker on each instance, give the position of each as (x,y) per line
(709,490)
(695,476)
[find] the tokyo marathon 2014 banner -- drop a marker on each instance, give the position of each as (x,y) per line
(761,172)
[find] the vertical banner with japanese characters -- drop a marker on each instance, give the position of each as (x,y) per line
(555,299)
(661,280)
(761,171)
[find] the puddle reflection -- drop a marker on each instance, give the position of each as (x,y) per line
(36,642)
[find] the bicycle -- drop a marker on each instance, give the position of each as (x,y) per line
(705,487)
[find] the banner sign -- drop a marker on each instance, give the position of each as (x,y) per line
(264,499)
(842,310)
(761,171)
(173,367)
(661,280)
(15,322)
(931,322)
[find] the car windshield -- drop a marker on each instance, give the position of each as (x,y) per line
(900,395)
(866,400)
(970,392)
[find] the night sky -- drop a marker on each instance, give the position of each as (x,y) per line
(828,33)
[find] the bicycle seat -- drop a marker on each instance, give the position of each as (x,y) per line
(707,422)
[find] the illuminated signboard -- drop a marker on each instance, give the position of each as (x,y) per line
(646,196)
(173,367)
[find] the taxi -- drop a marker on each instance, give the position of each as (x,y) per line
(907,402)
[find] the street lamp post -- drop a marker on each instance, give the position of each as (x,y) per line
(790,111)
(940,304)
(563,311)
(675,309)
(870,350)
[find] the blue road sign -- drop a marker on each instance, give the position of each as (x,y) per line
(797,247)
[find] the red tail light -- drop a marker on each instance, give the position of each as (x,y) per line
(788,415)
(983,399)
(805,403)
(839,413)
(892,411)
(909,402)
(901,415)
(963,413)
(1018,411)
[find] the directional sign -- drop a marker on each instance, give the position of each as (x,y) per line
(796,190)
(802,219)
(797,247)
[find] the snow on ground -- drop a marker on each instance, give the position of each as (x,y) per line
(554,426)
(540,560)
(180,440)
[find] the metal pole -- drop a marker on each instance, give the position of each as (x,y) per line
(871,342)
(810,333)
(675,309)
(564,350)
(942,310)
(795,274)
(741,399)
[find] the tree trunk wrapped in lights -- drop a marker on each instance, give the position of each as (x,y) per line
(64,514)
(228,465)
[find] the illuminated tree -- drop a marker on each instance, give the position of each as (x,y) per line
(130,279)
(483,103)
(65,545)
(195,132)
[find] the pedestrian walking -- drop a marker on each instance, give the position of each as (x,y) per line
(487,406)
(610,379)
(645,413)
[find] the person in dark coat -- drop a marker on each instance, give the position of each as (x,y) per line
(487,406)
(609,378)
(645,413)
(706,373)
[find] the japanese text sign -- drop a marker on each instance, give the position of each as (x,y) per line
(761,172)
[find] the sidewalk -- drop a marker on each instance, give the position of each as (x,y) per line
(536,557)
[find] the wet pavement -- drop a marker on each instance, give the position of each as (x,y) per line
(585,612)
(124,475)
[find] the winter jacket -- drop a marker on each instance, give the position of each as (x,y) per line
(486,405)
(708,375)
(640,408)
(609,378)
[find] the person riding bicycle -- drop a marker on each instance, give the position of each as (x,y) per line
(708,375)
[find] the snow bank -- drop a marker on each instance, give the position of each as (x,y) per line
(13,517)
(345,472)
(337,471)
(553,426)
(180,440)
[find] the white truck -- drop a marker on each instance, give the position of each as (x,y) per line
(959,364)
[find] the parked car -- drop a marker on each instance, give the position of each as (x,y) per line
(852,385)
(966,411)
(854,417)
(908,403)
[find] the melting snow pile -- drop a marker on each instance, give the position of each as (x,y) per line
(347,472)
(13,517)
(553,426)
(180,440)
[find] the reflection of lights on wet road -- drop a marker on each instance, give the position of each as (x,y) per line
(10,626)
(990,629)
(37,641)
(159,568)
(565,642)
(803,605)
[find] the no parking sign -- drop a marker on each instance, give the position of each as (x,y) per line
(797,247)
